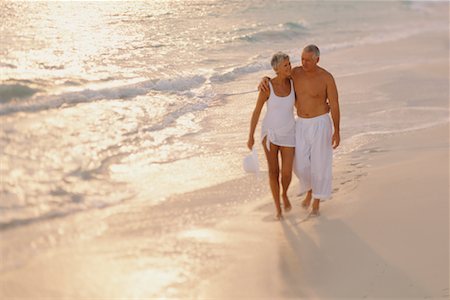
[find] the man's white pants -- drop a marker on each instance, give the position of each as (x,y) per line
(314,155)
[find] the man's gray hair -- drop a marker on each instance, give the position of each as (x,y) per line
(278,58)
(312,48)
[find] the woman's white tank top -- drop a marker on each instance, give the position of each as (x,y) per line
(279,122)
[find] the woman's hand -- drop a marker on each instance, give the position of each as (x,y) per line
(250,142)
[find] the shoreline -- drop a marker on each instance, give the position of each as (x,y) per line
(219,239)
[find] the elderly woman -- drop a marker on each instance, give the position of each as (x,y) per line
(278,129)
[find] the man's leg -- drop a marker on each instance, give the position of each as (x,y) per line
(307,201)
(302,162)
(321,162)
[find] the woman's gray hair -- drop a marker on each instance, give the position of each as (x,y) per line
(278,58)
(312,48)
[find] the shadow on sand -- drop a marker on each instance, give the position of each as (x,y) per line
(324,258)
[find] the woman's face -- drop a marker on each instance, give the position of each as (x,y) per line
(284,68)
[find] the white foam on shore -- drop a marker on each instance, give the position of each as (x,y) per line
(360,140)
(173,85)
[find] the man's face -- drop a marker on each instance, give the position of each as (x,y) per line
(309,61)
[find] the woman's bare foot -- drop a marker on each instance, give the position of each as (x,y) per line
(286,203)
(314,213)
(307,201)
(278,216)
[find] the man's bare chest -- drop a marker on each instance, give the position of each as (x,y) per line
(308,87)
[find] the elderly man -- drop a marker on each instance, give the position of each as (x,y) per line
(316,96)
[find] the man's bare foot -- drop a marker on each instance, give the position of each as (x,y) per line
(307,201)
(286,203)
(315,208)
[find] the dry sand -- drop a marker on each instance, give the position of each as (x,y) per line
(387,238)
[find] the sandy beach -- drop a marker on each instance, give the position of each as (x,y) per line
(385,236)
(201,228)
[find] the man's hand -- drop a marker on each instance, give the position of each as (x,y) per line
(264,85)
(250,142)
(335,140)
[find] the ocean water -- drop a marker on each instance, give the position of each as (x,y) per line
(107,102)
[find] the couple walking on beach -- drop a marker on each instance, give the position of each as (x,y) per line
(305,143)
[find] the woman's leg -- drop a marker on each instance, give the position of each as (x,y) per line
(274,174)
(287,160)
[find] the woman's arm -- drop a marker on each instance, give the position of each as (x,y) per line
(262,98)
